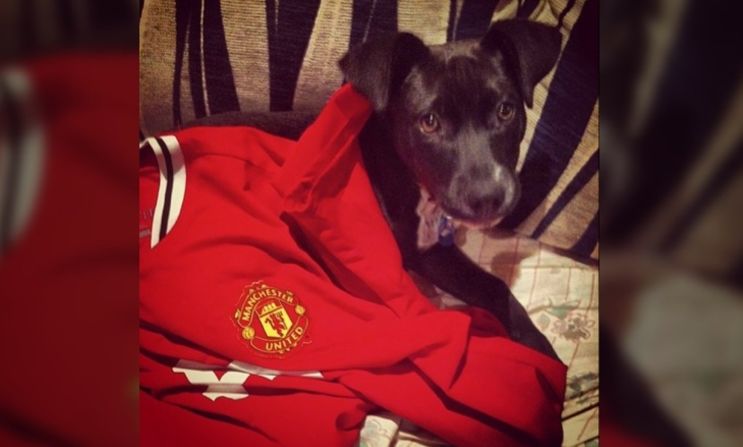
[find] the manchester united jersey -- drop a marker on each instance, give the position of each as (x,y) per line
(274,305)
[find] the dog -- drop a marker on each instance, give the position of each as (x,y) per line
(442,144)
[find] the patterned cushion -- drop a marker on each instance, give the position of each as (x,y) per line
(208,57)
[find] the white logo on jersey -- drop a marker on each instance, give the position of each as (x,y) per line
(230,385)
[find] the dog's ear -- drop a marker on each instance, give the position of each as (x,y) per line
(378,67)
(530,48)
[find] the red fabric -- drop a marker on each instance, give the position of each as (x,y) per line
(68,279)
(311,225)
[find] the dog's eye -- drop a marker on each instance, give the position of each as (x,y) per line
(429,123)
(505,111)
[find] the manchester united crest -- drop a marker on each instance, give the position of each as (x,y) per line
(272,320)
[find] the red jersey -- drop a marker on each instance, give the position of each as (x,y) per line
(275,308)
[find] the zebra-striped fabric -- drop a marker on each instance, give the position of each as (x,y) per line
(206,57)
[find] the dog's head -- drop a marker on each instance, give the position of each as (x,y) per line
(456,111)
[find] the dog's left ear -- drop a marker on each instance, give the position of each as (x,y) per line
(378,67)
(530,48)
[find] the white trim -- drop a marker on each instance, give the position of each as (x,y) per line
(158,214)
(179,179)
(178,190)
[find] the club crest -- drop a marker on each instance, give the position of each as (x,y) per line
(272,321)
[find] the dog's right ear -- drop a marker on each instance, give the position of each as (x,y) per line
(378,67)
(531,48)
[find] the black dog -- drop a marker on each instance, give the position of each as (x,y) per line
(447,125)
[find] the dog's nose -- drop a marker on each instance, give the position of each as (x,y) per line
(485,203)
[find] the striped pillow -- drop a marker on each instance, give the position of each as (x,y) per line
(207,57)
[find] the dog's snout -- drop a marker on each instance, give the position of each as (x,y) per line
(483,196)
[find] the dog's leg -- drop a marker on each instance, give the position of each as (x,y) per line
(449,269)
